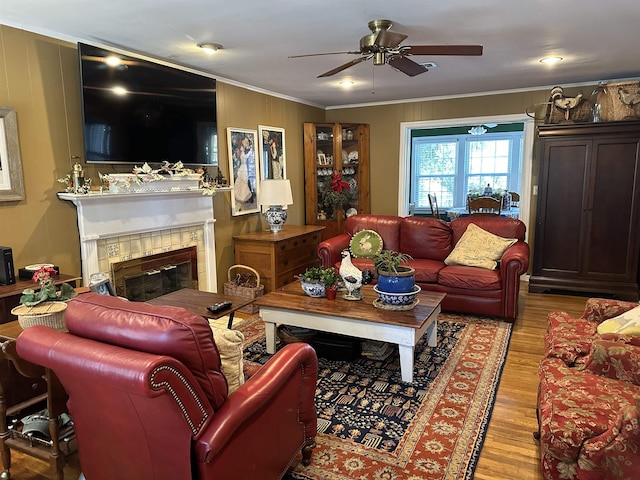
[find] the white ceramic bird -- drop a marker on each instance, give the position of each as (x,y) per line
(565,103)
(353,277)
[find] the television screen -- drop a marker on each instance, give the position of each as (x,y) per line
(138,111)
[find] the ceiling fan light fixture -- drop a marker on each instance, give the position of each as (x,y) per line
(346,83)
(552,60)
(210,48)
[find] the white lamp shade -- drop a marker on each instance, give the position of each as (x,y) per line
(275,192)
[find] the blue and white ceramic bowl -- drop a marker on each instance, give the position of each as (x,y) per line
(398,299)
(313,289)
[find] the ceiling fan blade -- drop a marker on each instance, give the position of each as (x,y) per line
(406,66)
(472,50)
(345,66)
(318,54)
(389,39)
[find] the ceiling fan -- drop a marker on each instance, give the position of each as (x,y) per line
(383,46)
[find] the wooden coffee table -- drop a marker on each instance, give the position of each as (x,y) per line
(290,306)
(197,301)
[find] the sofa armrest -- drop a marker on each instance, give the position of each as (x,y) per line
(600,309)
(281,393)
(330,249)
(614,358)
(515,257)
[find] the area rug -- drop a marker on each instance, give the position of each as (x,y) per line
(374,426)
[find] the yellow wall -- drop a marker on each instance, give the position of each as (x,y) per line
(40,80)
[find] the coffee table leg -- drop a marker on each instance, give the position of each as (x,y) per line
(270,333)
(432,334)
(406,362)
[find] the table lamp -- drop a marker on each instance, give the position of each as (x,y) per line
(275,194)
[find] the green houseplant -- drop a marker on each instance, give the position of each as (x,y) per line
(392,276)
(316,280)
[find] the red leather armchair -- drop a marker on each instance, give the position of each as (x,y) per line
(149,399)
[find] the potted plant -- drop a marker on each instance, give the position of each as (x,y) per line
(45,306)
(311,281)
(394,277)
(330,279)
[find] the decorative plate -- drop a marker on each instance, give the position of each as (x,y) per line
(365,244)
(37,266)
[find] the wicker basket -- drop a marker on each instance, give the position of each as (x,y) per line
(50,314)
(246,286)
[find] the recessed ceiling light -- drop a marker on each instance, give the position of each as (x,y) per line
(210,48)
(346,83)
(550,60)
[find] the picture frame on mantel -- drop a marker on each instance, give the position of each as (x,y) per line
(243,170)
(272,153)
(11,183)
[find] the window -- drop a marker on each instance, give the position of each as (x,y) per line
(451,164)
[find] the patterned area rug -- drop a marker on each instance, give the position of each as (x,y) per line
(374,426)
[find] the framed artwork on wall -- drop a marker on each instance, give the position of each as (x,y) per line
(272,154)
(11,185)
(243,170)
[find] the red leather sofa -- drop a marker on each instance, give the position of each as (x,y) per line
(149,399)
(589,397)
(429,241)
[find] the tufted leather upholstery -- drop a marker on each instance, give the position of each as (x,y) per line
(429,241)
(149,400)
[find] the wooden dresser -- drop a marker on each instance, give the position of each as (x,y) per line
(278,257)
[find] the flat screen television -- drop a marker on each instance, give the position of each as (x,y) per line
(137,111)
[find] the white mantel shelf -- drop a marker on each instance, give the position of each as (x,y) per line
(108,215)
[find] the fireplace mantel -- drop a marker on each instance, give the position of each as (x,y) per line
(108,215)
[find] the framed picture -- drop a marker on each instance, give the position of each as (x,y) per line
(11,185)
(272,155)
(243,170)
(103,287)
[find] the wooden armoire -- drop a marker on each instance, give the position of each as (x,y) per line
(587,236)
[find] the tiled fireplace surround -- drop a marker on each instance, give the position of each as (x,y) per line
(118,227)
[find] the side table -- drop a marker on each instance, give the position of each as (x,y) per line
(24,385)
(279,257)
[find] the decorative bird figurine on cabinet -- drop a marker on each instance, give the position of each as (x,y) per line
(353,277)
(630,99)
(565,103)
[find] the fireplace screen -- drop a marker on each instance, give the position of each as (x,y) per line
(149,277)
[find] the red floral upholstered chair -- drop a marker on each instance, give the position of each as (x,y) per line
(589,397)
(149,399)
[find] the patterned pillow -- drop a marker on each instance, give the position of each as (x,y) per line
(479,248)
(365,244)
(626,324)
(229,343)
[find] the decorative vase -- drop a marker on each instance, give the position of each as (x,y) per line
(401,282)
(313,289)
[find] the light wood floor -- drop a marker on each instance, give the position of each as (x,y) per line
(509,450)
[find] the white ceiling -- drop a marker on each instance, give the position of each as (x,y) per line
(599,41)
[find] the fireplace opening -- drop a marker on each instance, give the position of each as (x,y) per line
(142,279)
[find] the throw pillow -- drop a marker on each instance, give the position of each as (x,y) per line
(366,244)
(479,248)
(229,343)
(626,324)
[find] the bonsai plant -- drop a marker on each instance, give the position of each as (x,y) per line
(392,276)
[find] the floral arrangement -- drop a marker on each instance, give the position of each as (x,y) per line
(67,181)
(145,173)
(335,193)
(47,290)
(477,192)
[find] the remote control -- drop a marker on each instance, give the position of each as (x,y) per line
(218,307)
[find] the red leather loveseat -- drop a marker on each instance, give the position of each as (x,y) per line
(149,399)
(429,241)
